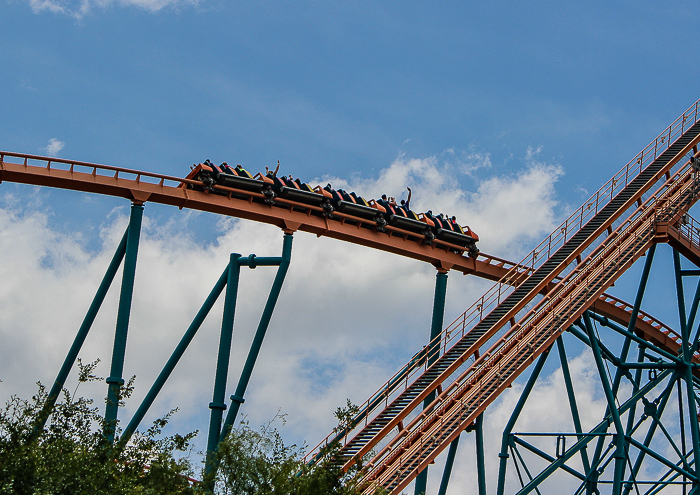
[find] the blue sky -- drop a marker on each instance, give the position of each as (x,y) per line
(508,113)
(343,88)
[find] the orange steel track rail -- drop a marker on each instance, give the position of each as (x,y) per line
(141,187)
(457,406)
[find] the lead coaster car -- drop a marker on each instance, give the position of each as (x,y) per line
(449,231)
(460,239)
(357,206)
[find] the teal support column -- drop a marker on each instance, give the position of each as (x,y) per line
(449,463)
(627,342)
(664,398)
(480,467)
(175,357)
(619,439)
(687,361)
(505,441)
(82,332)
(217,404)
(115,379)
(238,398)
(573,406)
(433,353)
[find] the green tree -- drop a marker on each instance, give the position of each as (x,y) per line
(70,454)
(259,463)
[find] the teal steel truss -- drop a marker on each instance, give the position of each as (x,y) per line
(647,440)
(219,425)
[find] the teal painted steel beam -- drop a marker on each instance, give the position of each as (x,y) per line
(115,379)
(516,453)
(632,324)
(480,465)
(449,463)
(433,351)
(691,318)
(637,380)
(572,401)
(620,451)
(662,459)
(629,337)
(547,457)
(671,474)
(651,366)
(238,398)
(694,308)
(514,417)
(83,331)
(175,357)
(253,261)
(687,359)
(599,429)
(607,354)
(614,326)
(663,400)
(217,405)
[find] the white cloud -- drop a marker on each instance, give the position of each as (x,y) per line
(507,212)
(54,146)
(347,316)
(80,8)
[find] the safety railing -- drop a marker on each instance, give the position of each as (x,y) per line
(172,186)
(95,169)
(518,273)
(690,229)
(524,339)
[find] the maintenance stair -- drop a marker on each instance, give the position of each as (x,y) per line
(572,267)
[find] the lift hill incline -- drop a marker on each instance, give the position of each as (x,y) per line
(549,269)
(625,192)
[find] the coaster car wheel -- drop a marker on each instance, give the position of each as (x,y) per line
(269,194)
(327,208)
(473,251)
(208,182)
(381,222)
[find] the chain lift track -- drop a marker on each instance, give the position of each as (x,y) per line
(517,320)
(564,264)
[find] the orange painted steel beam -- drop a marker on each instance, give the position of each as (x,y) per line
(647,327)
(496,369)
(682,181)
(141,187)
(683,236)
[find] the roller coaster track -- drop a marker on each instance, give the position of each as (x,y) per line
(644,203)
(572,267)
(141,187)
(459,404)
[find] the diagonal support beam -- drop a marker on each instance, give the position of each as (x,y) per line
(599,429)
(514,417)
(175,357)
(238,397)
(82,332)
(620,452)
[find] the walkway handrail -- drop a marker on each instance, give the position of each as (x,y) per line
(520,271)
(512,352)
